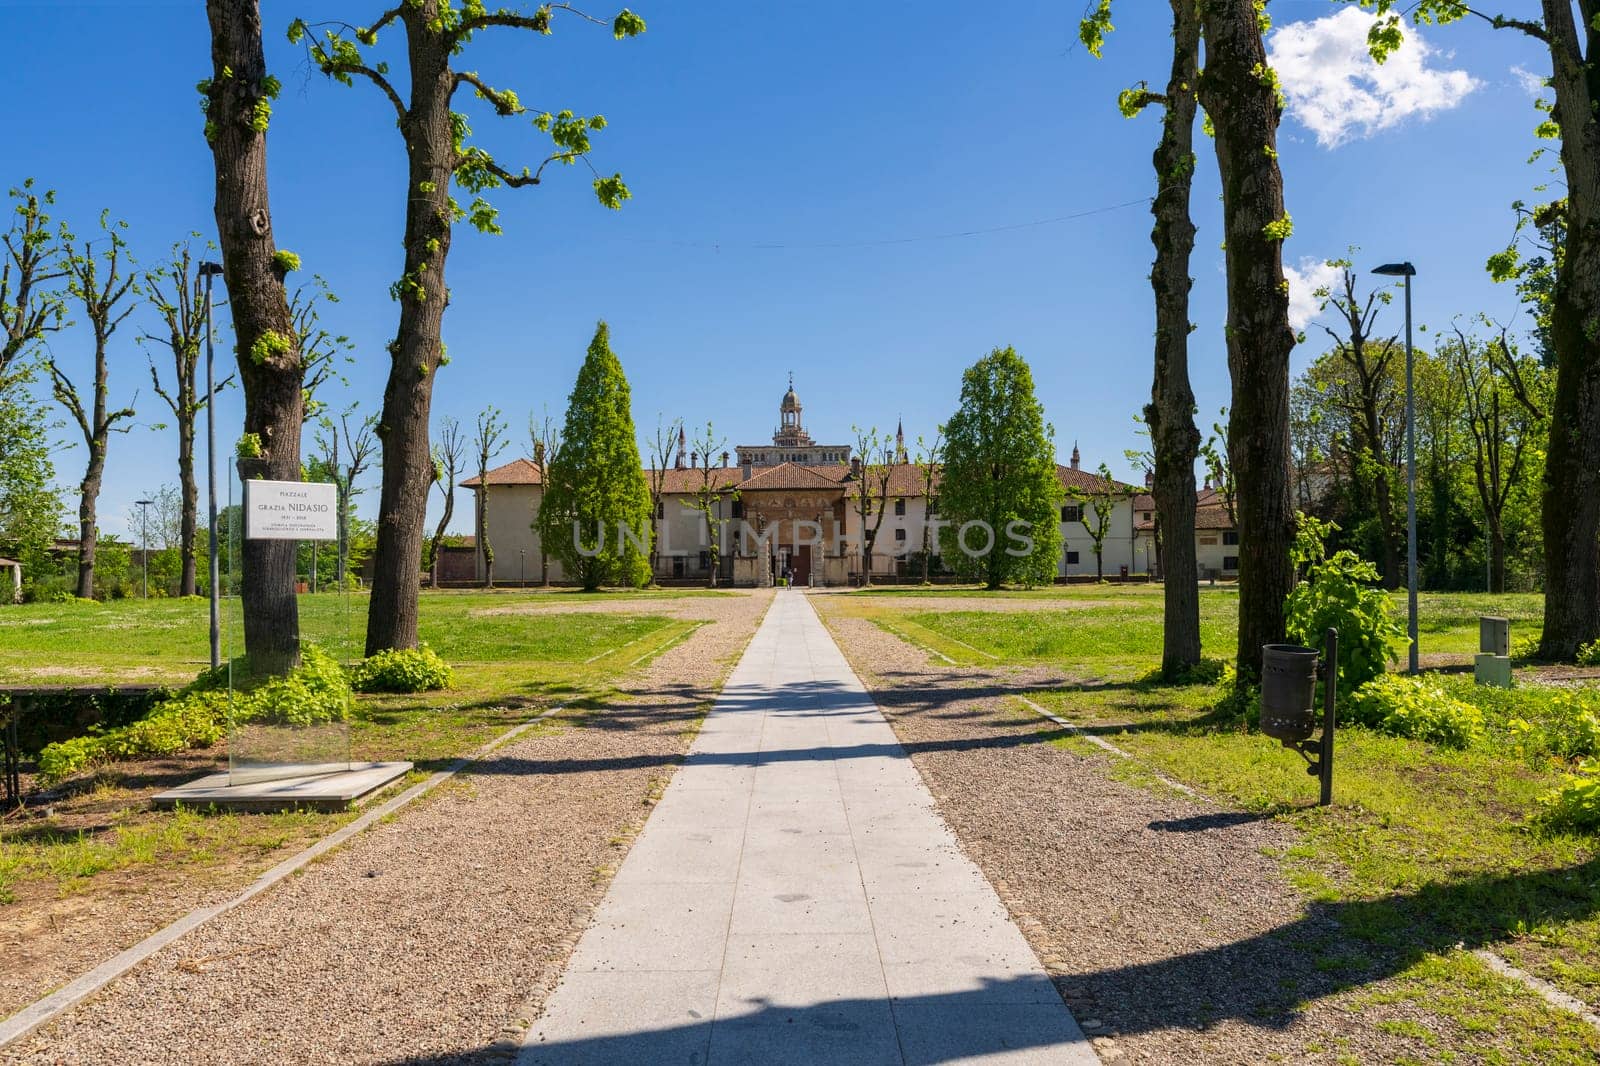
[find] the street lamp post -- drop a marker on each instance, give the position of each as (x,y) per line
(1407,271)
(523,567)
(209,271)
(144,541)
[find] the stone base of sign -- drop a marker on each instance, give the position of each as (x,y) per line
(1494,670)
(323,792)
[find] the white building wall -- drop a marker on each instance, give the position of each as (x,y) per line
(1119,549)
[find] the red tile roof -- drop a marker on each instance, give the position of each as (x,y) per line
(516,472)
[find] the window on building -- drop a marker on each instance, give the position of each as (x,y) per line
(1230,536)
(899,534)
(933,505)
(738,508)
(1071,513)
(900,506)
(705,560)
(1230,562)
(1144,516)
(1072,558)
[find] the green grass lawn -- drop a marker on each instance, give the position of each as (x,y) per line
(1114,631)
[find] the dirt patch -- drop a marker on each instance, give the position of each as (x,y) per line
(435,935)
(1166,923)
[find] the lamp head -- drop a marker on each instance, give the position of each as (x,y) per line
(143,503)
(209,269)
(1396,270)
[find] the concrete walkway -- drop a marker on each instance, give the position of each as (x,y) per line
(795,898)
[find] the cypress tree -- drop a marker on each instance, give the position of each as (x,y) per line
(596,495)
(1000,469)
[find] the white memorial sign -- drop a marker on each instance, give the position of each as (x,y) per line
(291,510)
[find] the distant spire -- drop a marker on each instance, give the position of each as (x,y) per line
(1075,458)
(683,446)
(899,439)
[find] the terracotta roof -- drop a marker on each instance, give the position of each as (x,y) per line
(789,476)
(1212,518)
(1089,481)
(516,472)
(688,479)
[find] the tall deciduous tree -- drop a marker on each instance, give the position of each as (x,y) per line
(596,507)
(1503,429)
(929,458)
(871,470)
(1572,464)
(103,283)
(660,445)
(346,447)
(1363,374)
(30,507)
(438,154)
(1174,438)
(30,308)
(238,105)
(711,499)
(1240,95)
(449,452)
(488,441)
(177,292)
(1102,500)
(999,476)
(544,437)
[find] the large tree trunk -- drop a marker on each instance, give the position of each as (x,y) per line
(190,496)
(415,352)
(1572,466)
(1243,107)
(1381,491)
(1174,439)
(88,525)
(273,403)
(484,547)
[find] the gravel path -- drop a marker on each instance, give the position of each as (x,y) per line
(435,936)
(1165,923)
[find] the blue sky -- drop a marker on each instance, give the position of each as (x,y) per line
(796,172)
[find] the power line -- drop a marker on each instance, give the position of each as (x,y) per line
(1143,201)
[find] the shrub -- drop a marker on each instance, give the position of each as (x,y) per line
(1567,727)
(1575,803)
(1589,654)
(192,720)
(413,670)
(315,691)
(1339,592)
(1412,707)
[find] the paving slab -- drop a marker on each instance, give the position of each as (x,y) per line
(796,898)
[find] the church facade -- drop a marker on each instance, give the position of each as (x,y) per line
(796,514)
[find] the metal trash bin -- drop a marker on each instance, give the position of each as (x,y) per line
(1288,692)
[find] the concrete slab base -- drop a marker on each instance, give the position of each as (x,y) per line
(324,792)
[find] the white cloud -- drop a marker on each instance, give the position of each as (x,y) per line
(1304,281)
(1532,84)
(1338,92)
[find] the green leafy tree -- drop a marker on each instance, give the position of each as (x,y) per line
(999,470)
(30,307)
(346,447)
(440,155)
(1571,513)
(1339,592)
(30,506)
(596,502)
